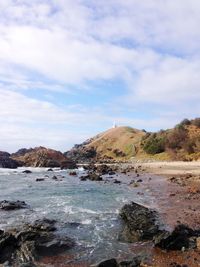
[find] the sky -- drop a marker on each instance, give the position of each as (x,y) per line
(69,69)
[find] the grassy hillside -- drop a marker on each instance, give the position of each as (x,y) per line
(122,143)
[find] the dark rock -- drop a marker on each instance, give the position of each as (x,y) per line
(50,170)
(7,162)
(181,236)
(73,173)
(27,171)
(83,178)
(68,164)
(116,181)
(55,178)
(39,179)
(12,205)
(135,262)
(108,263)
(91,177)
(140,223)
(25,245)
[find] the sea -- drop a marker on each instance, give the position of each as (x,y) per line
(86,211)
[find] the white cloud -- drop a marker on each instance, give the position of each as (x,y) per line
(152,46)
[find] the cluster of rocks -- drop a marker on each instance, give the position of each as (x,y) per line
(95,172)
(31,242)
(142,224)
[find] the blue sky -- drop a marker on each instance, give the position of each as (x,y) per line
(69,69)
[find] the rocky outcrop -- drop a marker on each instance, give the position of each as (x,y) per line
(31,242)
(140,223)
(12,205)
(7,162)
(182,237)
(43,157)
(81,153)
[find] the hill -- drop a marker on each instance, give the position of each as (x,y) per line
(117,143)
(123,143)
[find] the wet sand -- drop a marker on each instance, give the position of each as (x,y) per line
(176,188)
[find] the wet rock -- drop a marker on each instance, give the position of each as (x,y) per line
(93,177)
(12,205)
(108,263)
(27,171)
(39,179)
(50,170)
(140,223)
(181,237)
(32,241)
(112,173)
(116,181)
(83,178)
(72,173)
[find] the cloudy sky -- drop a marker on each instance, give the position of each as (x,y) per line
(70,68)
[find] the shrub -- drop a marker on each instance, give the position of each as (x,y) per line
(185,122)
(196,122)
(176,138)
(154,145)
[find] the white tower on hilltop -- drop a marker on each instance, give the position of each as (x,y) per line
(114,125)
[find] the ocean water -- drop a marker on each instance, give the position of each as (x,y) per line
(86,211)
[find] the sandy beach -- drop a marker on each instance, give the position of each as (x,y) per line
(172,168)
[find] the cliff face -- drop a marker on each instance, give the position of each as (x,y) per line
(7,162)
(43,157)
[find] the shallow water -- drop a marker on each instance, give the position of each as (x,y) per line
(86,211)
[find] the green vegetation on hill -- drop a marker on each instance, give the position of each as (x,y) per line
(182,142)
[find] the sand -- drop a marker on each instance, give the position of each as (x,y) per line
(172,168)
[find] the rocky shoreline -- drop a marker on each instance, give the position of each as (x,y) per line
(26,246)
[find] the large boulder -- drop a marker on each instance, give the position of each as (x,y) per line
(31,242)
(7,162)
(140,223)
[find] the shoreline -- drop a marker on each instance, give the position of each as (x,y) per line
(177,201)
